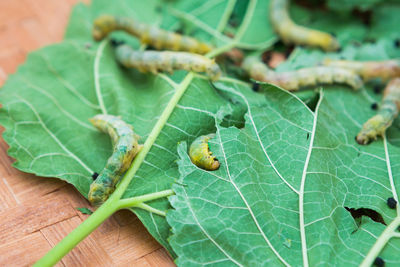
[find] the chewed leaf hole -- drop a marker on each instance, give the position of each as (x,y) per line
(372,214)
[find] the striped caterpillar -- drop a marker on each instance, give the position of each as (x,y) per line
(154,61)
(148,34)
(291,33)
(125,148)
(368,70)
(388,111)
(293,80)
(200,153)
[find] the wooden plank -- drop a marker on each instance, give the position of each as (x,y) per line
(11,254)
(20,221)
(159,258)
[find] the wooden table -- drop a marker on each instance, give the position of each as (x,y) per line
(36,213)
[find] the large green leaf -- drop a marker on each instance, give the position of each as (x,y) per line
(284,184)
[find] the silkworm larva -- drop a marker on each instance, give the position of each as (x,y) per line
(387,112)
(125,148)
(293,80)
(291,33)
(368,70)
(154,61)
(200,154)
(148,34)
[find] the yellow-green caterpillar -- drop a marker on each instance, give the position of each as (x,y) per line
(388,111)
(200,154)
(148,34)
(368,70)
(293,80)
(291,33)
(125,148)
(154,61)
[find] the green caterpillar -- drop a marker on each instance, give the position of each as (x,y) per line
(293,80)
(154,61)
(125,148)
(148,34)
(200,153)
(388,111)
(368,70)
(291,33)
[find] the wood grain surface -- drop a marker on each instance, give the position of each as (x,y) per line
(36,213)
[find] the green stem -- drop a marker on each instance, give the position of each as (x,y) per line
(227,14)
(151,209)
(77,235)
(246,21)
(133,201)
(380,243)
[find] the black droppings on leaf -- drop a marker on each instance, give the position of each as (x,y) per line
(308,135)
(379,262)
(255,87)
(374,106)
(377,89)
(391,202)
(397,43)
(95,175)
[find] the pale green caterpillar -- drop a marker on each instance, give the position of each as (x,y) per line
(154,61)
(125,148)
(148,34)
(388,111)
(293,80)
(200,154)
(368,70)
(291,33)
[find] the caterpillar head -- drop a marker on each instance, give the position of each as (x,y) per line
(213,71)
(371,130)
(203,48)
(102,26)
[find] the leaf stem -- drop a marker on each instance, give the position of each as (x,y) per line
(99,53)
(380,243)
(227,14)
(151,209)
(133,201)
(246,21)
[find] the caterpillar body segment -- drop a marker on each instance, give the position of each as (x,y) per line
(155,61)
(200,154)
(388,111)
(368,70)
(125,147)
(291,33)
(294,80)
(148,34)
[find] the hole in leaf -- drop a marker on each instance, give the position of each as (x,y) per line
(372,214)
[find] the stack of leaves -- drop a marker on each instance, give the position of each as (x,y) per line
(293,187)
